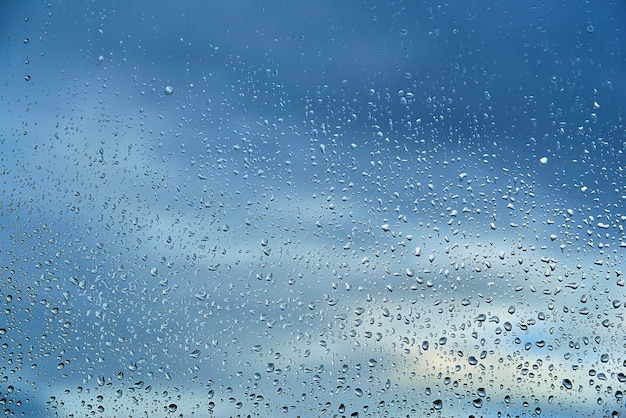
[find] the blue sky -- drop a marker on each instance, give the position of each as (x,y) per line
(326,186)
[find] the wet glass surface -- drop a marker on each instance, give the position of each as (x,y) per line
(312,208)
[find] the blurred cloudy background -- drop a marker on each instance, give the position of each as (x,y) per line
(307,209)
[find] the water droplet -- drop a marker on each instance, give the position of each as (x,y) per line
(169,90)
(567,384)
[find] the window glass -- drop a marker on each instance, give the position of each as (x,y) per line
(312,208)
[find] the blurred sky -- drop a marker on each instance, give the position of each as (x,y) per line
(337,205)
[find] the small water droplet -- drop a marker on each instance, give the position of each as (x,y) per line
(438,404)
(567,384)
